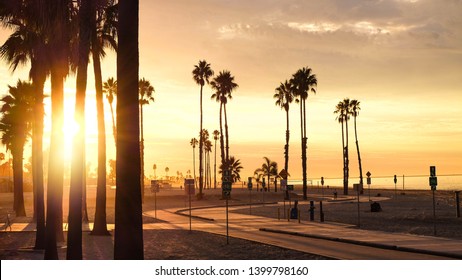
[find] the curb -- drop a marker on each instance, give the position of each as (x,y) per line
(370,244)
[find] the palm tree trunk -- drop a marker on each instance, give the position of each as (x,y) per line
(18,202)
(114,130)
(194,166)
(74,236)
(304,140)
(359,155)
(37,147)
(100,225)
(142,155)
(201,150)
(286,161)
(345,185)
(347,161)
(54,213)
(222,146)
(226,133)
(215,167)
(128,236)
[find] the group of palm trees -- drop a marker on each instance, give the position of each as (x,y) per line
(267,170)
(297,89)
(344,110)
(207,149)
(223,86)
(56,37)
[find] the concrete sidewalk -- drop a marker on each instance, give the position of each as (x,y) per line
(438,246)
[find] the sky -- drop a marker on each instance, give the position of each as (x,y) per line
(402,59)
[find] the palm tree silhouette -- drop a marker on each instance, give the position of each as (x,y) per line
(146,91)
(27,43)
(216,134)
(15,125)
(103,35)
(74,236)
(207,150)
(128,235)
(204,136)
(303,81)
(110,88)
(343,115)
(194,143)
(269,168)
(354,111)
(284,96)
(224,85)
(201,75)
(58,34)
(234,165)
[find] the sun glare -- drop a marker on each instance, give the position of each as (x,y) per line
(70,129)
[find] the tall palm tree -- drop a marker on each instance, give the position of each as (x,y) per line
(216,134)
(58,34)
(27,43)
(110,88)
(128,236)
(303,82)
(15,125)
(201,75)
(74,236)
(284,96)
(343,115)
(194,143)
(103,35)
(354,111)
(146,91)
(224,85)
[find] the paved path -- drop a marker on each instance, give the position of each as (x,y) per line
(334,240)
(315,237)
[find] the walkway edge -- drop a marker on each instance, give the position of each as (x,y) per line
(366,243)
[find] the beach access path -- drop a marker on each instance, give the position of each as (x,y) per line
(334,240)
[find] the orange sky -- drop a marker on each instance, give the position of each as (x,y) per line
(400,58)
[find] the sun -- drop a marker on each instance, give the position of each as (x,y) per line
(70,129)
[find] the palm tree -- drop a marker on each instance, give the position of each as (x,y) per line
(28,43)
(224,85)
(201,75)
(303,81)
(342,110)
(15,125)
(110,88)
(269,168)
(146,91)
(194,143)
(258,175)
(354,111)
(208,150)
(154,167)
(234,165)
(103,35)
(203,136)
(74,236)
(284,96)
(128,236)
(166,172)
(58,34)
(216,134)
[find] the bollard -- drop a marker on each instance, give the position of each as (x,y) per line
(457,204)
(311,210)
(298,215)
(321,212)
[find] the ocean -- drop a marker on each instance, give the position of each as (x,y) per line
(451,182)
